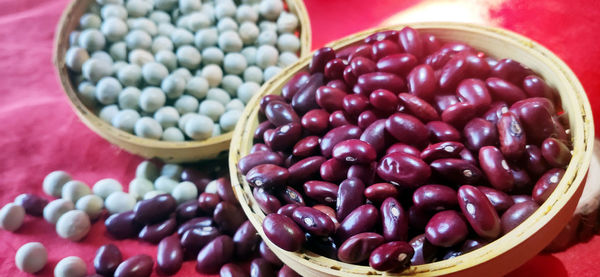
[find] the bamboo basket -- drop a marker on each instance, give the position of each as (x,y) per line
(187,151)
(507,252)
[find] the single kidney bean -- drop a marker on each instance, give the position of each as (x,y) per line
(536,120)
(225,191)
(559,131)
(257,158)
(336,135)
(424,251)
(516,214)
(455,70)
(367,83)
(459,114)
(324,246)
(556,153)
(477,67)
(313,221)
(499,199)
(378,192)
(443,101)
(384,48)
(193,240)
(315,121)
(294,85)
(330,212)
(232,270)
(364,172)
(535,86)
(330,99)
(349,77)
(186,210)
(478,210)
(280,113)
(399,64)
(349,197)
(305,99)
(286,271)
(306,147)
(268,203)
(260,267)
(394,220)
(339,118)
(305,169)
(360,220)
(430,43)
(322,192)
(446,228)
(194,223)
(510,70)
(474,91)
(523,182)
(338,84)
(283,232)
(267,254)
(267,99)
(107,259)
(406,129)
(138,266)
(479,133)
(169,256)
(334,69)
(291,196)
(495,112)
(434,198)
(418,107)
(361,51)
(259,133)
(358,247)
(496,168)
(546,184)
(422,82)
(284,137)
(441,131)
(155,232)
(155,209)
(466,155)
(391,256)
(245,240)
(505,91)
(362,65)
(512,136)
(207,202)
(320,59)
(382,35)
(287,209)
(354,151)
(122,225)
(354,104)
(334,170)
(403,148)
(268,176)
(366,118)
(33,204)
(545,102)
(404,170)
(383,100)
(376,136)
(442,150)
(411,41)
(215,254)
(418,218)
(228,217)
(534,160)
(457,170)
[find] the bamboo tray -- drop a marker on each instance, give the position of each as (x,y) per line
(507,252)
(187,151)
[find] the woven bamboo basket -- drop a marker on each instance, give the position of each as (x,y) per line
(507,252)
(186,151)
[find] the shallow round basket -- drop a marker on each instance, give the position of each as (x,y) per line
(186,151)
(507,252)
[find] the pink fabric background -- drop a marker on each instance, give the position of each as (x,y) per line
(40,133)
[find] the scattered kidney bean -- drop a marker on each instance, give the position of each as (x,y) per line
(154,209)
(33,204)
(169,256)
(215,254)
(138,265)
(107,259)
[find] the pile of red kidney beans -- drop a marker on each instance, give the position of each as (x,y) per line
(403,149)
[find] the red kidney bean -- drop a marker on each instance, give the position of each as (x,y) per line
(439,58)
(122,225)
(263,127)
(287,210)
(361,51)
(366,118)
(320,58)
(153,233)
(362,219)
(411,41)
(245,240)
(446,228)
(283,232)
(394,220)
(228,217)
(280,113)
(476,66)
(522,181)
(225,191)
(512,136)
(406,129)
(466,155)
(404,170)
(362,65)
(479,133)
(336,135)
(260,267)
(442,150)
(267,99)
(354,151)
(354,104)
(505,91)
(324,246)
(339,118)
(186,210)
(391,256)
(516,214)
(455,70)
(421,82)
(330,99)
(418,107)
(403,148)
(198,177)
(459,114)
(418,218)
(346,51)
(286,271)
(136,266)
(334,170)
(193,240)
(378,192)
(232,270)
(478,210)
(349,197)
(367,83)
(559,131)
(430,43)
(294,85)
(33,204)
(268,176)
(384,48)
(358,247)
(306,147)
(338,84)
(268,203)
(457,170)
(214,255)
(257,158)
(534,161)
(313,221)
(546,184)
(473,244)
(500,200)
(349,77)
(511,71)
(399,64)
(376,136)
(366,173)
(434,198)
(536,120)
(441,131)
(474,91)
(535,86)
(425,252)
(155,209)
(322,192)
(442,102)
(208,201)
(169,256)
(292,196)
(556,153)
(315,121)
(496,168)
(283,137)
(305,99)
(383,100)
(334,69)
(268,255)
(495,112)
(534,100)
(305,169)
(382,35)
(107,259)
(194,223)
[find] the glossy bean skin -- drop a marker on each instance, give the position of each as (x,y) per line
(305,99)
(338,84)
(291,196)
(155,209)
(315,121)
(441,131)
(267,202)
(457,170)
(366,118)
(459,114)
(399,64)
(287,209)
(280,113)
(495,111)
(320,59)
(193,240)
(378,192)
(535,86)
(479,211)
(411,41)
(499,199)
(169,256)
(360,220)
(305,169)
(418,107)
(336,135)
(334,69)
(367,83)
(406,129)
(324,246)
(228,217)
(446,228)
(466,155)
(322,192)
(186,210)
(442,150)
(365,173)
(333,170)
(286,271)
(516,214)
(394,220)
(267,99)
(435,198)
(523,183)
(306,147)
(403,148)
(392,256)
(534,160)
(383,100)
(267,254)
(455,70)
(313,221)
(362,65)
(349,197)
(556,153)
(268,176)
(474,91)
(260,267)
(259,133)
(354,151)
(511,135)
(546,185)
(505,91)
(107,259)
(339,118)
(155,232)
(330,212)
(283,137)
(257,158)
(354,104)
(122,225)
(377,136)
(444,101)
(215,254)
(382,35)
(404,170)
(421,82)
(430,43)
(283,232)
(194,223)
(245,240)
(330,99)
(33,204)
(136,266)
(358,247)
(511,71)
(496,168)
(384,48)
(225,191)
(479,133)
(208,201)
(424,251)
(349,77)
(232,270)
(294,84)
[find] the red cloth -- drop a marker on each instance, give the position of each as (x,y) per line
(41,133)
